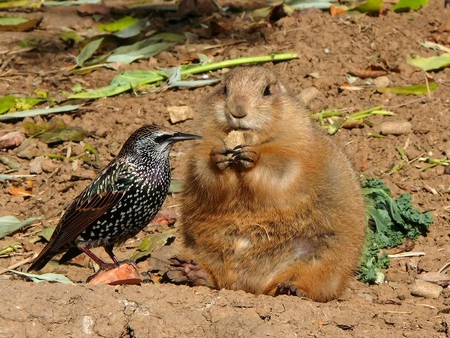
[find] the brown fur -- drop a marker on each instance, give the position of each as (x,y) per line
(294,218)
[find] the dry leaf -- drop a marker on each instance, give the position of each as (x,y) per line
(20,192)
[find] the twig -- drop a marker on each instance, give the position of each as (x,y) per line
(446,265)
(407,254)
(16,265)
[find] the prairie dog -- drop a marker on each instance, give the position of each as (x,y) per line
(281,213)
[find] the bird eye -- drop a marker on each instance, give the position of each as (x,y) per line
(162,138)
(267,91)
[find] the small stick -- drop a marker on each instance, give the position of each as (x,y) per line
(407,254)
(16,265)
(446,265)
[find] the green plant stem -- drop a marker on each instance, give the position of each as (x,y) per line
(238,62)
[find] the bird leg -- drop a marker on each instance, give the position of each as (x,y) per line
(109,251)
(103,265)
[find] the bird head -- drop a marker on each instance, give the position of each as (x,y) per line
(153,141)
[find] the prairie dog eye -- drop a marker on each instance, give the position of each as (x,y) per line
(225,90)
(266,91)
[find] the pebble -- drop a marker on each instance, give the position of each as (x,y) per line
(180,113)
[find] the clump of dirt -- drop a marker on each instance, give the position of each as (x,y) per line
(328,48)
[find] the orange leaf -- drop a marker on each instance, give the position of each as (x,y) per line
(19,192)
(337,10)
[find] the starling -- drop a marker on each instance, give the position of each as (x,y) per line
(120,201)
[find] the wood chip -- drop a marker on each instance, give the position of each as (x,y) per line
(425,289)
(396,128)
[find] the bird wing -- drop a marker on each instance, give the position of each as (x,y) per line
(103,193)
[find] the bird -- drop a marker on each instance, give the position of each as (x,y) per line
(119,202)
(270,204)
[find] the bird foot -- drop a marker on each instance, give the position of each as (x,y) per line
(124,273)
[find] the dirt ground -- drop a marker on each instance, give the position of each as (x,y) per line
(327,46)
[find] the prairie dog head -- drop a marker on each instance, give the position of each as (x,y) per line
(252,99)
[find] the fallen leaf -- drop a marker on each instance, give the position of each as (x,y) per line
(46,277)
(26,26)
(20,192)
(10,224)
(431,63)
(409,90)
(369,72)
(152,242)
(115,26)
(334,10)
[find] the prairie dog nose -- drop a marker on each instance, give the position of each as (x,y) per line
(238,110)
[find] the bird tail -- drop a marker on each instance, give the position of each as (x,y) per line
(41,260)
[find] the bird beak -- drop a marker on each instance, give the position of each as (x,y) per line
(176,137)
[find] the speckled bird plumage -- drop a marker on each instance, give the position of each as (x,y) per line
(120,201)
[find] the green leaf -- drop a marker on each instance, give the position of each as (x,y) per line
(151,243)
(370,7)
(115,26)
(409,90)
(139,50)
(71,36)
(6,103)
(36,112)
(46,277)
(431,63)
(406,5)
(10,224)
(132,30)
(46,233)
(87,52)
(11,21)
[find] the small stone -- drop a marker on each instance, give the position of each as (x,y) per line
(425,289)
(12,140)
(47,165)
(382,82)
(180,114)
(36,165)
(28,149)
